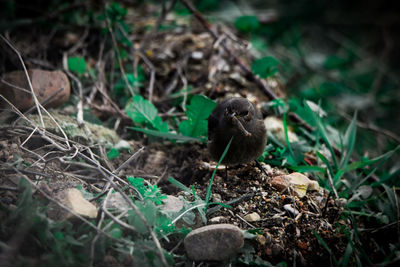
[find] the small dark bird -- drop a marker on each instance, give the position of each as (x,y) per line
(240,118)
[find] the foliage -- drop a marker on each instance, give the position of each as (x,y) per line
(151,192)
(142,112)
(265,67)
(77,65)
(247,24)
(197,111)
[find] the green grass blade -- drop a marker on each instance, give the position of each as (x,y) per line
(307,168)
(285,128)
(208,195)
(179,185)
(335,262)
(323,133)
(326,161)
(349,139)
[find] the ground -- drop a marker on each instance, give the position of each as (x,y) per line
(178,58)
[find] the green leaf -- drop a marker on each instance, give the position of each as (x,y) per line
(265,67)
(349,138)
(141,111)
(322,131)
(137,183)
(179,185)
(247,24)
(306,168)
(116,232)
(77,65)
(322,242)
(360,164)
(197,111)
(112,154)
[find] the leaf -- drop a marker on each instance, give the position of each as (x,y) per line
(116,232)
(141,111)
(306,168)
(361,164)
(77,65)
(112,154)
(197,111)
(247,24)
(322,131)
(265,67)
(349,139)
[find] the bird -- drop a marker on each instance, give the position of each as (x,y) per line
(239,118)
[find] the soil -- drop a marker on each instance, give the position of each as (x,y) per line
(245,187)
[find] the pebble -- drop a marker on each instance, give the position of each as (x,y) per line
(296,182)
(252,217)
(218,219)
(45,84)
(215,242)
(172,204)
(291,210)
(117,202)
(73,199)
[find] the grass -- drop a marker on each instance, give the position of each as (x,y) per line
(344,159)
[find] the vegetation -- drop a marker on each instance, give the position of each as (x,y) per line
(332,96)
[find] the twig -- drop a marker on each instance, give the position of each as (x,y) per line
(35,100)
(123,165)
(58,203)
(161,18)
(152,74)
(46,101)
(233,201)
(246,222)
(37,103)
(332,184)
(39,129)
(79,116)
(118,55)
(134,207)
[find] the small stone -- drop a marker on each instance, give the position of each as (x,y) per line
(122,145)
(216,198)
(296,182)
(197,55)
(73,199)
(218,219)
(215,242)
(77,203)
(117,202)
(44,83)
(291,210)
(261,239)
(252,217)
(172,204)
(341,202)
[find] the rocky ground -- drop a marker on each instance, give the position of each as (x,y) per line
(284,212)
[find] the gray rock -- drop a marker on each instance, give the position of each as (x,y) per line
(215,242)
(117,202)
(172,204)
